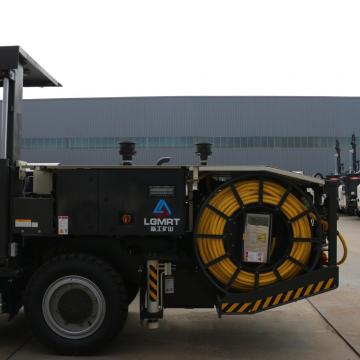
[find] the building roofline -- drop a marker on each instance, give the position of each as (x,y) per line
(199,97)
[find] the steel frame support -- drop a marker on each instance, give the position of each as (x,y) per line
(4,118)
(331,195)
(10,140)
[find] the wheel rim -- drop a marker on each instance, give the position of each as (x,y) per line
(74,307)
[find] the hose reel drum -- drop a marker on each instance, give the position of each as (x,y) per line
(295,234)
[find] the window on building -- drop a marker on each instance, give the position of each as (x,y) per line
(184,142)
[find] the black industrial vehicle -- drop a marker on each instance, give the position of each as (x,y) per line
(337,177)
(77,243)
(352,180)
(349,183)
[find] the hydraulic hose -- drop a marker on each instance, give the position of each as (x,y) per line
(211,227)
(343,243)
(345,249)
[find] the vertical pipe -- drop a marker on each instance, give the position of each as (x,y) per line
(337,158)
(331,195)
(5,188)
(336,164)
(353,146)
(4,119)
(350,160)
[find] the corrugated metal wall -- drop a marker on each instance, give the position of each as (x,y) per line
(194,116)
(201,116)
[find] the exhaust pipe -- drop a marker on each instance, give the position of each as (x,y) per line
(127,151)
(203,150)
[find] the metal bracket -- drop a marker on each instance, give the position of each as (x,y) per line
(13,249)
(195,178)
(4,118)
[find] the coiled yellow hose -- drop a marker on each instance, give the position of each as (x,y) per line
(212,223)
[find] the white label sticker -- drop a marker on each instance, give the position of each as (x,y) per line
(169,285)
(254,256)
(63,225)
(256,238)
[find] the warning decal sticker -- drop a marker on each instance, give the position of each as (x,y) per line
(63,225)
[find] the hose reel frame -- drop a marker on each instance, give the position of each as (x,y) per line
(316,238)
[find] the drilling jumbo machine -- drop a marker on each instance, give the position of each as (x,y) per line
(338,177)
(78,243)
(348,183)
(352,180)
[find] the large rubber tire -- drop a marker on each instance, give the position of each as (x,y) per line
(132,290)
(108,286)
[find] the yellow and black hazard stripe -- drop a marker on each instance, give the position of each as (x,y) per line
(153,283)
(277,299)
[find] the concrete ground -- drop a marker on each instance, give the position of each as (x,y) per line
(327,326)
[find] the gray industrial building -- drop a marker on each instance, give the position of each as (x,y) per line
(294,133)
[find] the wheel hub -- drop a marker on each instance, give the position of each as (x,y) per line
(74,307)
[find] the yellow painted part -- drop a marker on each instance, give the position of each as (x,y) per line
(213,224)
(277,299)
(256,306)
(153,285)
(153,295)
(318,286)
(298,292)
(243,307)
(232,307)
(267,302)
(329,283)
(308,289)
(288,295)
(153,274)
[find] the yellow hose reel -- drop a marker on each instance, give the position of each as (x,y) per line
(236,197)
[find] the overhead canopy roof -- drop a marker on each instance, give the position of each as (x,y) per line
(34,74)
